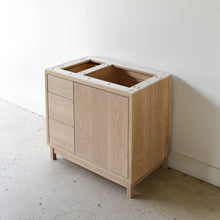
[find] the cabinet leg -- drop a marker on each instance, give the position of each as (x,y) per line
(165,163)
(130,190)
(53,156)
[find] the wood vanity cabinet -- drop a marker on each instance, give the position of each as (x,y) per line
(112,119)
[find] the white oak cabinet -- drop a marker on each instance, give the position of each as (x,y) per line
(112,119)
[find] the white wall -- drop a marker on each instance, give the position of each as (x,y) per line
(179,37)
(37,34)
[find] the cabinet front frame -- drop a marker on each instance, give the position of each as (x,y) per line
(87,164)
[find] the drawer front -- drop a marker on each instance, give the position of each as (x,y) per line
(60,109)
(61,135)
(60,86)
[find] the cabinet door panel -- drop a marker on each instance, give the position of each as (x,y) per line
(101,128)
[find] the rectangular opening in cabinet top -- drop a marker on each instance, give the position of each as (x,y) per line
(119,75)
(82,66)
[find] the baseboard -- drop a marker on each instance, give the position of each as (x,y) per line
(176,161)
(194,168)
(22,101)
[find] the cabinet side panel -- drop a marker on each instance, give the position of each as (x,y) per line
(47,109)
(101,128)
(151,122)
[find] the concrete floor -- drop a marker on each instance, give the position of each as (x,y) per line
(34,187)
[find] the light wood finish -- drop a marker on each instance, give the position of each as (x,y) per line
(53,156)
(112,119)
(60,86)
(91,166)
(106,73)
(130,146)
(119,76)
(151,126)
(60,109)
(165,163)
(152,75)
(47,109)
(80,67)
(130,190)
(91,82)
(61,135)
(101,128)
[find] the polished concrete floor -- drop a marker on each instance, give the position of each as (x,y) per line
(34,187)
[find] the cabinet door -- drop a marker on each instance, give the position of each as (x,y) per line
(101,128)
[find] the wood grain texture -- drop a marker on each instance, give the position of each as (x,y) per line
(130,190)
(165,163)
(46,105)
(129,78)
(80,67)
(118,116)
(151,124)
(101,128)
(60,109)
(113,88)
(119,76)
(60,86)
(106,74)
(61,135)
(92,167)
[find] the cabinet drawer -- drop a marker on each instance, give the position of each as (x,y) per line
(61,109)
(60,86)
(61,135)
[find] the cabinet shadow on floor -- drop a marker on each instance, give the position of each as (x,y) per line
(172,190)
